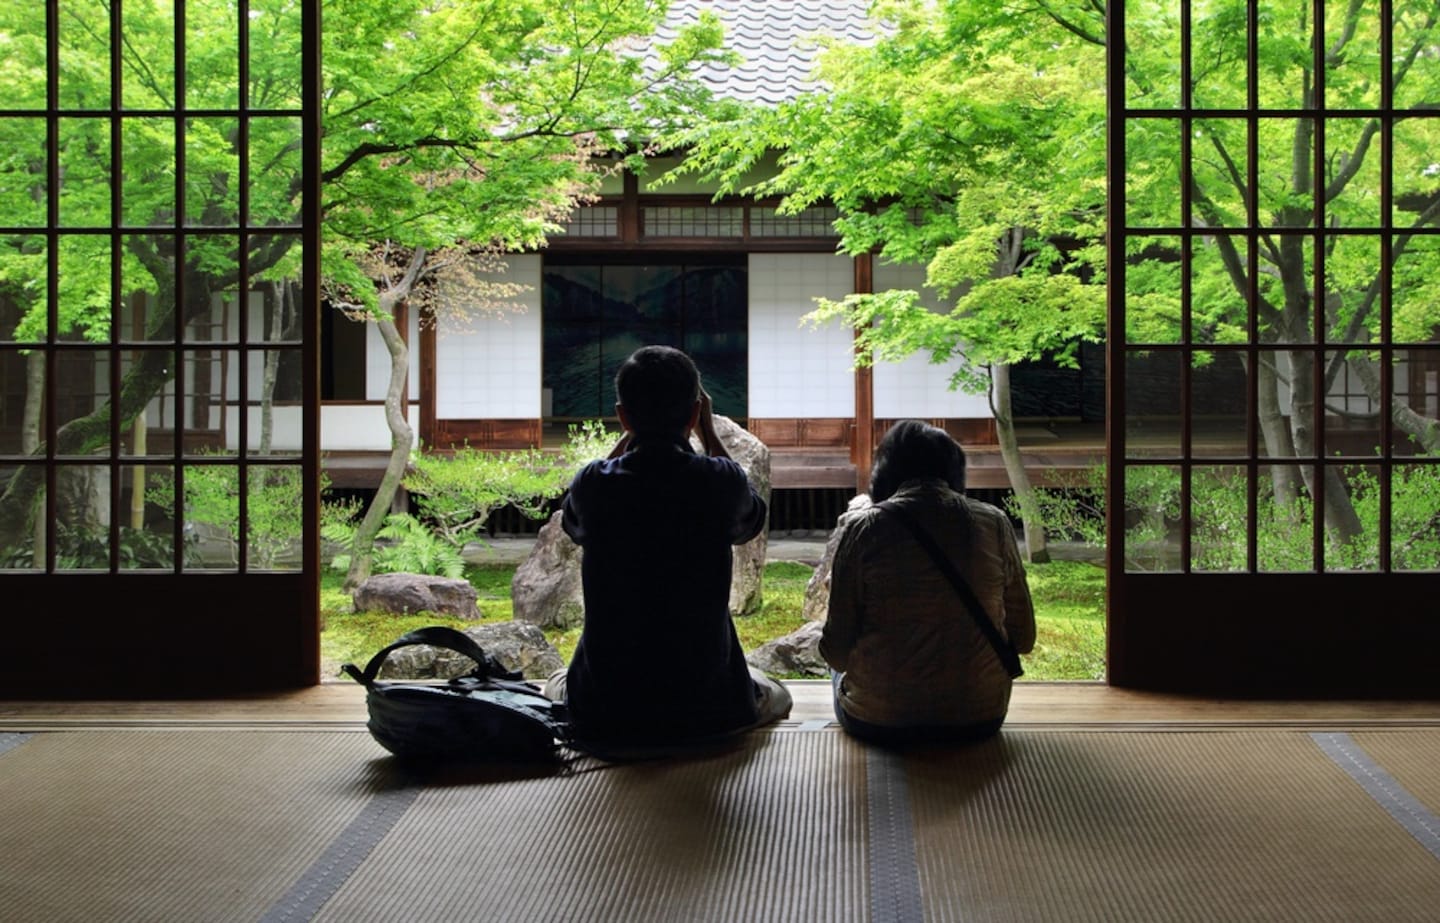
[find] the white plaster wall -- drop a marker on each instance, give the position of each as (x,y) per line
(799,371)
(487,364)
(255,330)
(361,427)
(285,433)
(914,387)
(343,428)
(377,360)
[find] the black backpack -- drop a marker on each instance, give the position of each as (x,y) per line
(490,713)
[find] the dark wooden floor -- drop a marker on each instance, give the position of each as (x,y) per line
(1034,705)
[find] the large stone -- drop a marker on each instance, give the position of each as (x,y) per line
(799,651)
(517,645)
(749,559)
(816,606)
(546,588)
(795,653)
(403,594)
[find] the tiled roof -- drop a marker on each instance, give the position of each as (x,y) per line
(776,40)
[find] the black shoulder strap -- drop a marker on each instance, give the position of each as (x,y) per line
(1003,648)
(486,666)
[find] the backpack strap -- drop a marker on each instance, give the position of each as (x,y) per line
(486,666)
(1002,645)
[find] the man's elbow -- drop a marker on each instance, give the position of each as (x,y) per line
(1023,637)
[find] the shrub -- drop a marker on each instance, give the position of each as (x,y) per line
(212,498)
(455,494)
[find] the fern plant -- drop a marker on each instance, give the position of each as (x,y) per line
(406,546)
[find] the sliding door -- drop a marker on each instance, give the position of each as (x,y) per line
(158,322)
(1274,346)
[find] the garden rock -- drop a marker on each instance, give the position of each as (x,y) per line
(797,652)
(546,588)
(517,645)
(816,606)
(753,456)
(403,594)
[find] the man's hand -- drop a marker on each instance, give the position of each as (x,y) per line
(706,420)
(705,427)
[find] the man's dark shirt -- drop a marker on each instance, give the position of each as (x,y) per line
(658,657)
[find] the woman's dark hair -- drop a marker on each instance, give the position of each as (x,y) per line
(915,449)
(658,387)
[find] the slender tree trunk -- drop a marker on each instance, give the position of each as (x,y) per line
(1284,479)
(1341,520)
(362,552)
(1036,548)
(272,367)
(141,432)
(30,441)
(1010,258)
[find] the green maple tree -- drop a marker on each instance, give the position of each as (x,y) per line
(968,138)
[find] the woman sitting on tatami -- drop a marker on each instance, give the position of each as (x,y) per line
(910,662)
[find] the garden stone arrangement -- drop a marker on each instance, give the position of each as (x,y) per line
(517,645)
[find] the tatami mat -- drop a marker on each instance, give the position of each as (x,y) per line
(204,824)
(771,831)
(170,825)
(1229,826)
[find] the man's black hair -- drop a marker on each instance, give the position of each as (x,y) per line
(915,449)
(658,387)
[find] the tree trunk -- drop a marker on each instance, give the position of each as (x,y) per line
(362,551)
(1284,479)
(1010,259)
(1341,520)
(30,441)
(1036,549)
(141,432)
(272,367)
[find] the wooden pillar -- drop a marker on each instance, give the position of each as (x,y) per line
(426,357)
(862,447)
(629,214)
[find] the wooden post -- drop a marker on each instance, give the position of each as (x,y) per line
(862,447)
(427,348)
(629,214)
